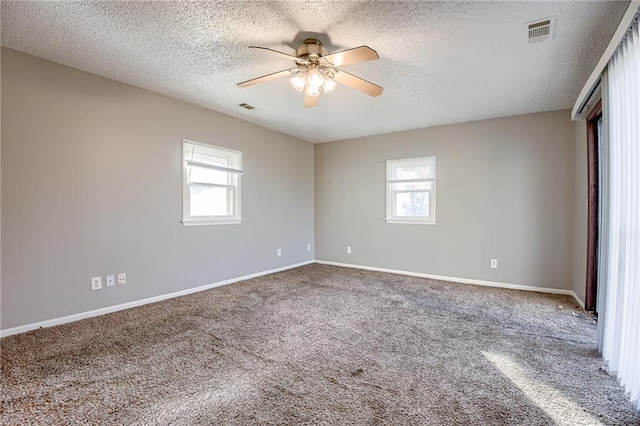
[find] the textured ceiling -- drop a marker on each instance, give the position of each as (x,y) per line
(440,62)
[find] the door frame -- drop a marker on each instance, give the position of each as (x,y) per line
(592,206)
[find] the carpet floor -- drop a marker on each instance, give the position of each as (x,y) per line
(320,345)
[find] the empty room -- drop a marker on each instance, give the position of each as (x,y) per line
(320,212)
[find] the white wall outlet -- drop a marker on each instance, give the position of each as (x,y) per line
(494,263)
(96,283)
(279,252)
(122,278)
(111,280)
(308,247)
(348,249)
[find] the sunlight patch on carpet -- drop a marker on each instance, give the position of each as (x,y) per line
(548,399)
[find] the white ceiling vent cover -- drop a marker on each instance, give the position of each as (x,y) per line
(540,30)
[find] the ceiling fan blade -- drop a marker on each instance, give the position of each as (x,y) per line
(281,54)
(357,83)
(310,101)
(352,56)
(267,77)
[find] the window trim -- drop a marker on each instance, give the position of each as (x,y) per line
(420,220)
(235,219)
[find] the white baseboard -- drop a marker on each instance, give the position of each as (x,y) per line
(135,303)
(109,309)
(458,280)
(575,296)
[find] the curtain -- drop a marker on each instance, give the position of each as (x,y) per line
(619,251)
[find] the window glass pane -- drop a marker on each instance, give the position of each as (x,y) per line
(416,168)
(599,129)
(410,204)
(206,175)
(411,172)
(210,200)
(410,186)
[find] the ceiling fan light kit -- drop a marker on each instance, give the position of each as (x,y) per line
(312,79)
(317,69)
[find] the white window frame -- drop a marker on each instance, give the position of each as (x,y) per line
(234,185)
(425,220)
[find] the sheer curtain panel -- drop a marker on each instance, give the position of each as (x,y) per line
(619,257)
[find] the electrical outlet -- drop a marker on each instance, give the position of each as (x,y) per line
(494,263)
(308,247)
(279,252)
(96,283)
(111,280)
(122,278)
(348,249)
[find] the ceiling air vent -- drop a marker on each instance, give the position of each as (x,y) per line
(246,106)
(538,31)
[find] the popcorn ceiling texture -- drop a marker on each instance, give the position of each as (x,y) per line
(440,62)
(320,345)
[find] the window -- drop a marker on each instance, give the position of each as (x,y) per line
(211,184)
(411,190)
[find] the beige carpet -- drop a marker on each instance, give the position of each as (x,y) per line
(320,345)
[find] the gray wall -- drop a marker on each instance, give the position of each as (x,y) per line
(580,211)
(504,190)
(92,185)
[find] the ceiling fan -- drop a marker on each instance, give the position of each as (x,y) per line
(317,69)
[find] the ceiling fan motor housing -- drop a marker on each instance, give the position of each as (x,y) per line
(311,50)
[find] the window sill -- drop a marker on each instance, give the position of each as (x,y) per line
(411,222)
(211,222)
